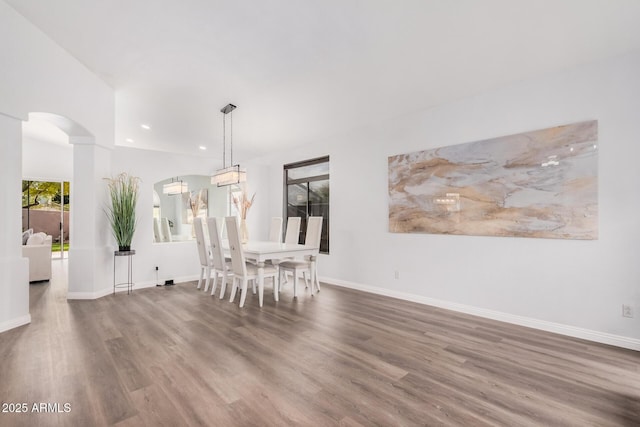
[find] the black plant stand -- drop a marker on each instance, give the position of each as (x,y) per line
(129,283)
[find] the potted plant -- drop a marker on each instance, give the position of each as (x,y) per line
(123,190)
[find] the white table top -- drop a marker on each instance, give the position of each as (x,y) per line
(262,250)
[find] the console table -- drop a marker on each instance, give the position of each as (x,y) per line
(129,283)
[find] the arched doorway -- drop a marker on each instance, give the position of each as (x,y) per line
(47,171)
(65,171)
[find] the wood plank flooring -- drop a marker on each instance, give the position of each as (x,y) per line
(175,356)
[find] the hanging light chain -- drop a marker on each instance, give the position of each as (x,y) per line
(227,109)
(224,141)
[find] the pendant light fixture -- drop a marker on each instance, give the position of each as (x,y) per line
(176,187)
(231,174)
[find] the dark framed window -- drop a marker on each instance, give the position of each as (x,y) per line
(306,189)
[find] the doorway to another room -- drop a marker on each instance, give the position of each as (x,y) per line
(45,208)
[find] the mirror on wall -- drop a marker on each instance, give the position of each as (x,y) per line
(178,200)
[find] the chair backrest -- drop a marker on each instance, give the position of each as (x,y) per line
(235,247)
(157,235)
(166,230)
(203,252)
(217,255)
(314,231)
(293,230)
(275,230)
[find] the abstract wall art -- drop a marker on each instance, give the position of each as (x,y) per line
(542,184)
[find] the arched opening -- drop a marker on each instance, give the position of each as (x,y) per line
(48,171)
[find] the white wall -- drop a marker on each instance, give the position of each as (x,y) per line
(46,160)
(36,75)
(40,76)
(573,287)
(14,270)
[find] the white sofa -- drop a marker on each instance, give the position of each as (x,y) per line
(38,251)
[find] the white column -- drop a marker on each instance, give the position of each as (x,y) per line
(90,246)
(14,270)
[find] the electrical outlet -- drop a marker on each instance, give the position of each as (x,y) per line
(397,274)
(627,310)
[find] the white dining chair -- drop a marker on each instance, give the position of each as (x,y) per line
(243,271)
(292,236)
(275,230)
(220,266)
(306,266)
(293,230)
(203,253)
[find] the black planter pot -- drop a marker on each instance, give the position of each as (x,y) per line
(124,248)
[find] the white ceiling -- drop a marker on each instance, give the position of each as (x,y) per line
(301,71)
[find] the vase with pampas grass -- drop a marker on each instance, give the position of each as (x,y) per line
(242,204)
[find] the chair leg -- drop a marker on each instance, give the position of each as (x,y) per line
(201,277)
(243,295)
(306,280)
(304,273)
(234,289)
(208,278)
(215,282)
(223,285)
(276,289)
(254,286)
(295,283)
(280,273)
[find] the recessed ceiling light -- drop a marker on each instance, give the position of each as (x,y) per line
(145,126)
(202,147)
(129,140)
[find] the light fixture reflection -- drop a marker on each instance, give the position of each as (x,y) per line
(176,187)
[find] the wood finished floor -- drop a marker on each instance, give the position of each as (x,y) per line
(175,356)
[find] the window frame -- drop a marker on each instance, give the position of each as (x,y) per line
(306,180)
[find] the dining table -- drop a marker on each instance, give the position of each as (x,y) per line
(261,251)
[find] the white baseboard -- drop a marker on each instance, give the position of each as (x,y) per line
(558,328)
(14,323)
(181,279)
(109,290)
(89,295)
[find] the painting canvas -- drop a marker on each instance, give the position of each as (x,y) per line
(542,184)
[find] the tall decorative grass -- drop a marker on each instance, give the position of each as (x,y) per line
(123,190)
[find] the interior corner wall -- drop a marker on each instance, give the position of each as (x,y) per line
(569,286)
(39,76)
(14,270)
